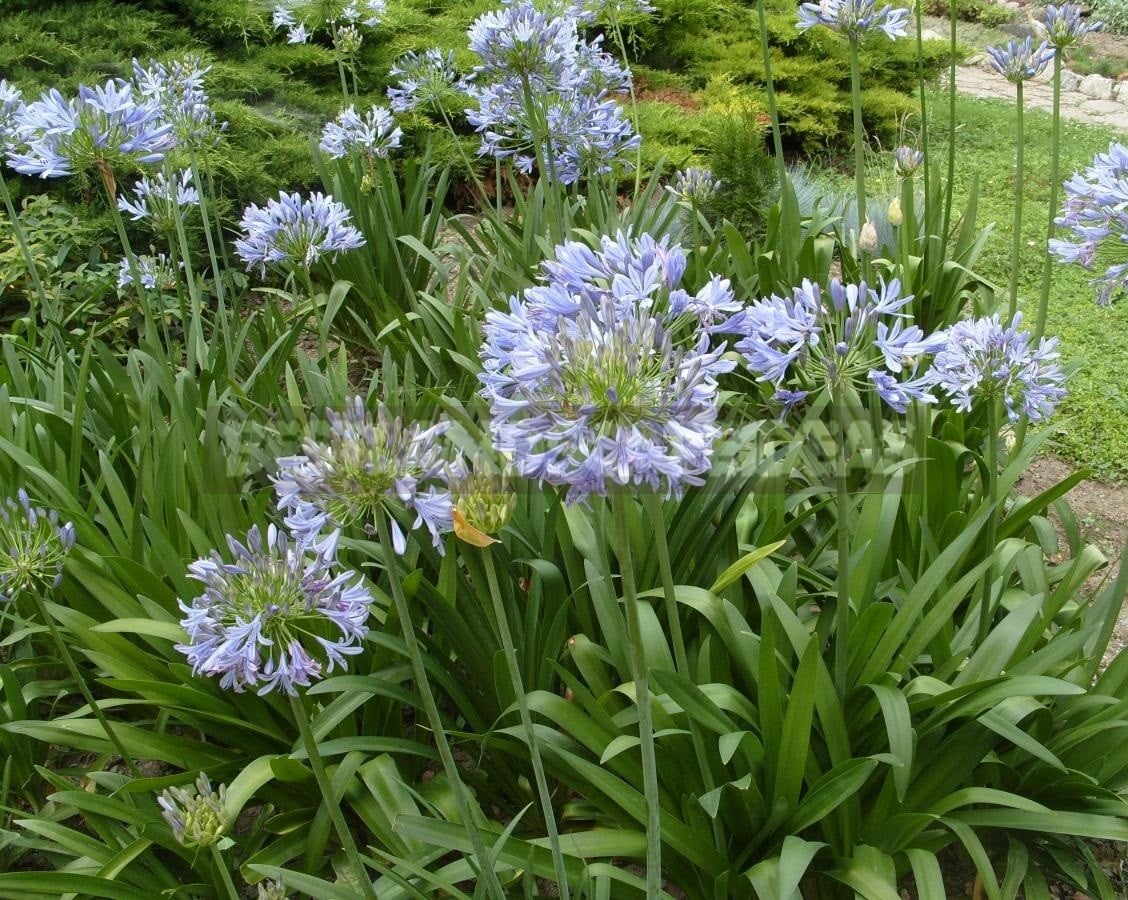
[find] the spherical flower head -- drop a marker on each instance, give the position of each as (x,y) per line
(1096,213)
(847,334)
(906,161)
(291,232)
(1064,27)
(374,136)
(427,79)
(108,127)
(521,41)
(155,272)
(33,546)
(178,88)
(367,468)
(695,185)
(482,501)
(274,617)
(11,103)
(1020,60)
(348,40)
(198,818)
(987,361)
(601,398)
(856,19)
(159,201)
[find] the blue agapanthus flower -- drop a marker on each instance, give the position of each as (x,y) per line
(1064,26)
(275,616)
(984,360)
(543,94)
(695,185)
(108,126)
(1020,60)
(855,19)
(372,136)
(11,103)
(847,334)
(906,161)
(301,20)
(156,273)
(367,468)
(159,200)
(292,232)
(427,79)
(605,374)
(178,88)
(1096,212)
(33,546)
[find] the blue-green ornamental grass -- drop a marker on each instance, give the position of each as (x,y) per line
(570,566)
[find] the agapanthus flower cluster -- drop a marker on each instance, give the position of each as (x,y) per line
(694,185)
(615,10)
(372,136)
(846,334)
(984,360)
(275,616)
(1020,60)
(33,546)
(588,386)
(367,468)
(1064,26)
(156,273)
(907,161)
(11,102)
(427,79)
(292,231)
(178,88)
(856,19)
(108,126)
(198,818)
(543,94)
(1096,212)
(303,19)
(159,200)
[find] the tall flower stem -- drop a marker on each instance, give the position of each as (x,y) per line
(213,257)
(194,327)
(616,28)
(619,500)
(993,522)
(431,709)
(325,786)
(652,503)
(131,260)
(1019,184)
(769,87)
(948,188)
(859,133)
(224,872)
(1055,187)
(922,81)
(72,667)
(25,248)
(527,723)
(842,530)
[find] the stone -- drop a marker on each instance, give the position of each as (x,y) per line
(1070,81)
(1096,86)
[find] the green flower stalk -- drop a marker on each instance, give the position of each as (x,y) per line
(769,88)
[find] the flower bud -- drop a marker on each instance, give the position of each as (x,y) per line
(271,890)
(867,240)
(481,505)
(896,217)
(197,819)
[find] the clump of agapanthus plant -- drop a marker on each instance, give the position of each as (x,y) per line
(275,616)
(544,96)
(1096,213)
(1063,27)
(106,128)
(367,469)
(294,233)
(371,136)
(847,336)
(586,383)
(159,201)
(197,818)
(33,546)
(856,20)
(178,88)
(156,273)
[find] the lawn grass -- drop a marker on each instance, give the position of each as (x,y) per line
(1093,423)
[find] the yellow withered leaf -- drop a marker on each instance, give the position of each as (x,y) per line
(464,531)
